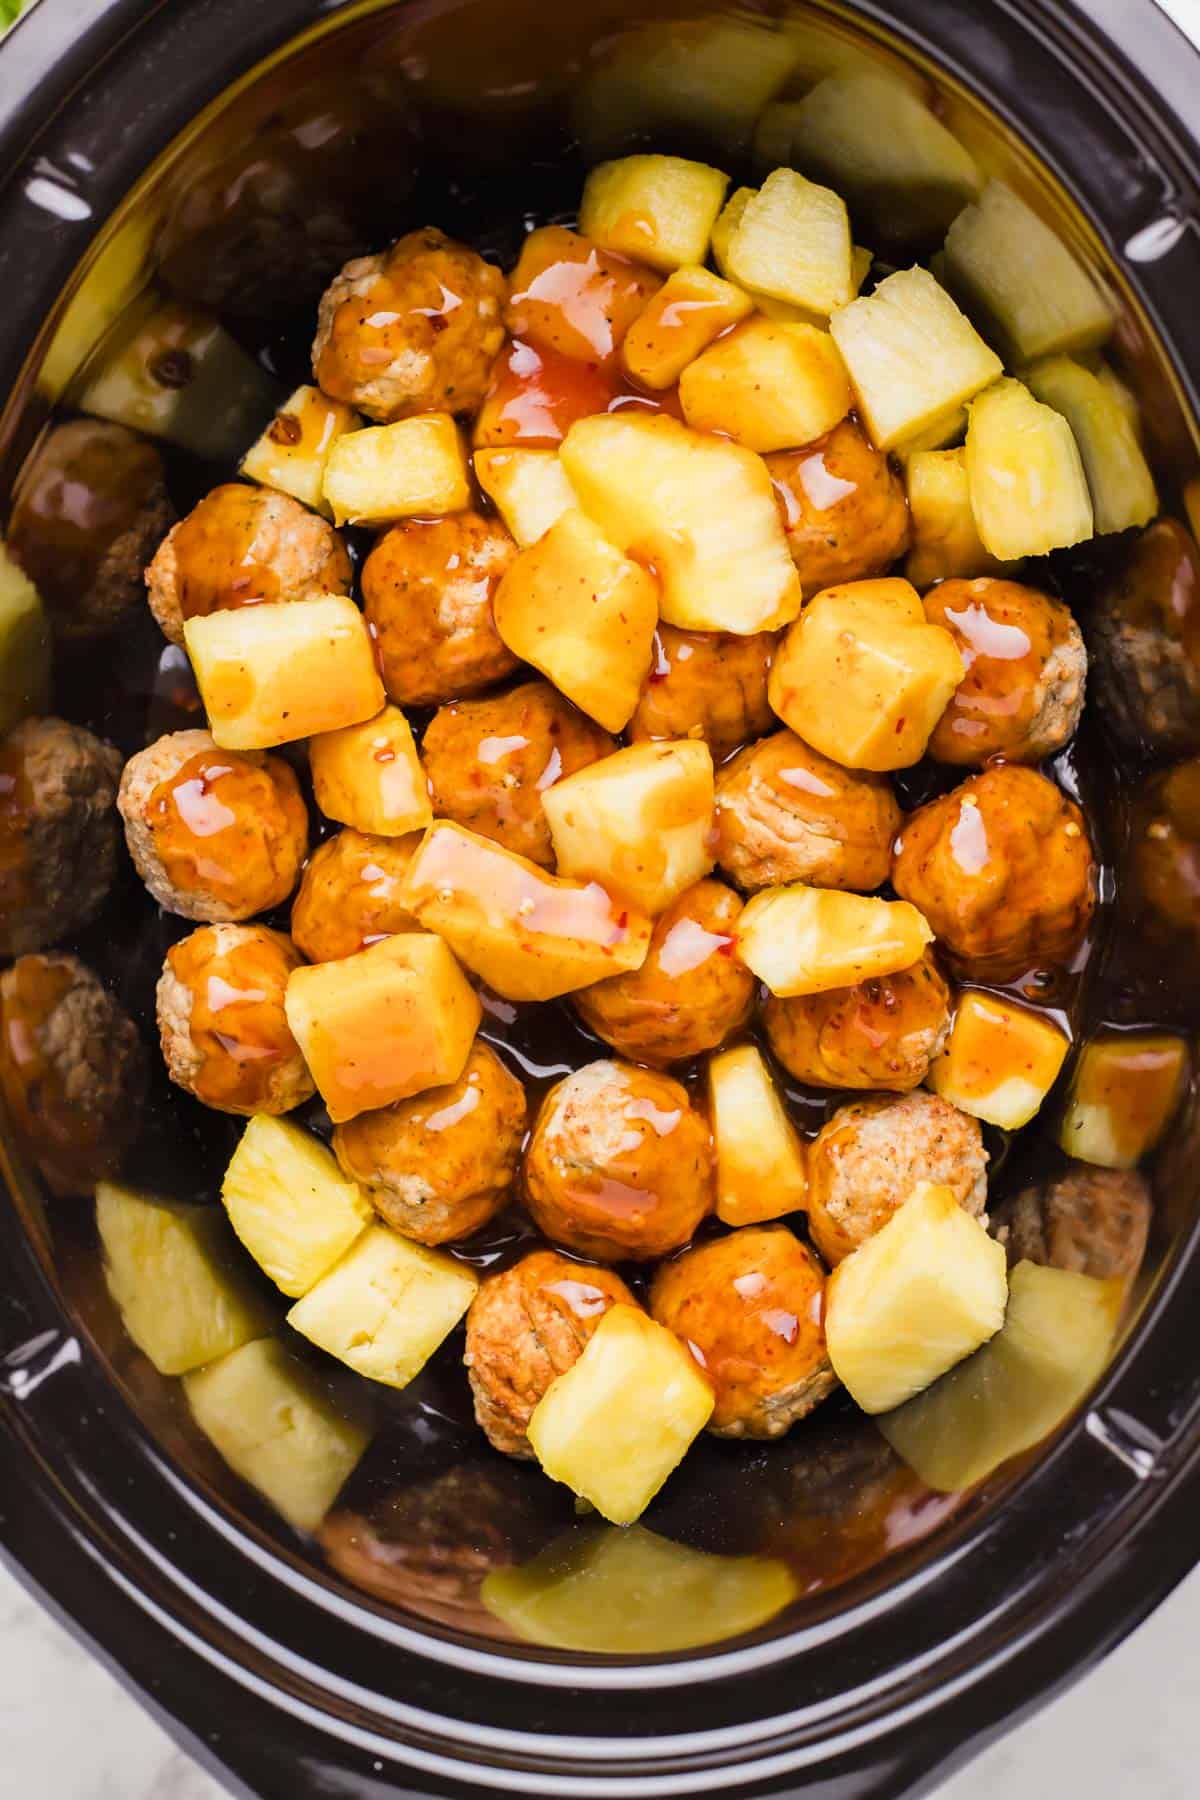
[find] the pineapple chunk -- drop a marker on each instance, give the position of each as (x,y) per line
(767,386)
(701,512)
(293,451)
(292,668)
(805,940)
(657,209)
(1124,396)
(527,934)
(791,241)
(370,776)
(290,1204)
(947,430)
(623,1416)
(1124,1091)
(1001,1061)
(277,1427)
(863,676)
(728,221)
(582,614)
(529,489)
(760,1156)
(921,1294)
(415,467)
(912,355)
(639,821)
(861,260)
(687,313)
(390,1021)
(1021,282)
(386,1306)
(1118,475)
(1029,493)
(945,539)
(24,646)
(570,298)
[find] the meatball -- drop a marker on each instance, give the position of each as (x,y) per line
(1092,1221)
(91,507)
(1144,636)
(1003,870)
(214,834)
(866,1161)
(708,684)
(490,761)
(882,1033)
(844,508)
(427,592)
(620,1165)
(1165,850)
(526,1326)
(240,546)
(1026,667)
(72,1071)
(58,831)
(750,1308)
(349,894)
(440,1165)
(690,992)
(225,1035)
(787,813)
(412,329)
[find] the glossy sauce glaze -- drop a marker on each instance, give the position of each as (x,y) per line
(222,823)
(238,1025)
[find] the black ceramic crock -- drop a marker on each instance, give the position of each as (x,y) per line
(259,1663)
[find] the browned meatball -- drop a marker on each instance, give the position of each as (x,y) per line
(1092,1221)
(440,1165)
(350,894)
(1165,850)
(882,1033)
(843,506)
(527,1326)
(240,546)
(620,1165)
(221,1019)
(1003,871)
(214,834)
(787,813)
(90,509)
(427,592)
(690,992)
(707,684)
(58,831)
(412,329)
(750,1307)
(867,1160)
(1144,635)
(490,761)
(72,1071)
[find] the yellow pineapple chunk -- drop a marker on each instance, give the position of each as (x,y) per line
(921,1294)
(760,1155)
(623,1416)
(863,676)
(290,1204)
(1124,396)
(1124,1091)
(529,489)
(582,614)
(657,209)
(791,241)
(1118,475)
(947,430)
(390,1021)
(293,451)
(767,386)
(386,1306)
(1000,1062)
(24,646)
(1029,493)
(370,776)
(806,940)
(176,1278)
(728,220)
(639,821)
(693,307)
(292,668)
(413,468)
(945,539)
(699,511)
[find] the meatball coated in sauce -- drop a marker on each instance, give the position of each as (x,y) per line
(787,813)
(1026,665)
(882,1033)
(1164,851)
(427,590)
(411,329)
(865,1162)
(91,508)
(490,761)
(214,834)
(1144,636)
(72,1071)
(750,1307)
(350,894)
(620,1165)
(689,994)
(221,1019)
(707,684)
(439,1166)
(241,546)
(844,508)
(1003,871)
(58,831)
(527,1326)
(1089,1220)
